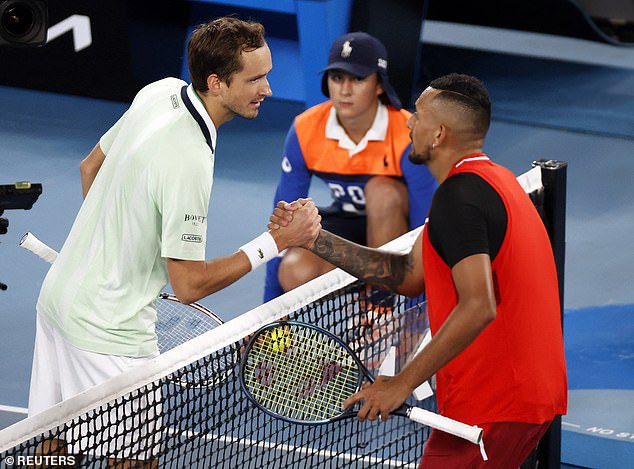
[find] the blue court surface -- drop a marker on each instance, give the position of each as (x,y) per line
(543,109)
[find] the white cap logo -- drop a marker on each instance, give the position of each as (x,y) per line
(382,63)
(346,49)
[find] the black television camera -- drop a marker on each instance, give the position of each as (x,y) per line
(23,23)
(21,195)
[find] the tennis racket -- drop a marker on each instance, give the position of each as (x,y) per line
(176,323)
(302,374)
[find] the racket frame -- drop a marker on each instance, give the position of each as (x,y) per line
(204,377)
(198,307)
(413,413)
(345,413)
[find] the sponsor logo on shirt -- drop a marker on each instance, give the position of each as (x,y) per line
(195,219)
(174,99)
(192,238)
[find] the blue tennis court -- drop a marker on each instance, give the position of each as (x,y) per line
(577,113)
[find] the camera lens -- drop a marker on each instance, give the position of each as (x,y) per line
(23,22)
(18,19)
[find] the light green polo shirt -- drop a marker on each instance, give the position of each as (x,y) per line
(148,202)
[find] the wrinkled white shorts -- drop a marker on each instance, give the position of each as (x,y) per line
(61,371)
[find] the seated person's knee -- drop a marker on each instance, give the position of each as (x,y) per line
(299,266)
(385,195)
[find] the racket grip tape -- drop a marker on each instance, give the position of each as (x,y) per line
(30,242)
(445,424)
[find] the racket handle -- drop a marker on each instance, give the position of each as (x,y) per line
(447,425)
(30,242)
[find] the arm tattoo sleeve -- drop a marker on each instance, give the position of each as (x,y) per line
(380,268)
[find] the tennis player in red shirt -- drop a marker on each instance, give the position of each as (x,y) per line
(485,262)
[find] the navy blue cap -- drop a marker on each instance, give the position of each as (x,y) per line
(361,55)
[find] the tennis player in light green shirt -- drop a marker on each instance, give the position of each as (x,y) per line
(143,223)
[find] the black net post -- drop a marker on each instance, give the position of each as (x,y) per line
(554,174)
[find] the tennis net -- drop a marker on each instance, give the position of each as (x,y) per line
(177,413)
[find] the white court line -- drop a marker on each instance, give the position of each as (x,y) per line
(14,409)
(287,447)
(574,425)
(546,46)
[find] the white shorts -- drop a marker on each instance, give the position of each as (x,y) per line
(61,370)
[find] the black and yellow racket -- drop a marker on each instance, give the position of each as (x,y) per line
(302,374)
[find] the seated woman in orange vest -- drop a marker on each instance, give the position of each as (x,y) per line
(358,144)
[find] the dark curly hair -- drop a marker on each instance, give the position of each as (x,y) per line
(216,47)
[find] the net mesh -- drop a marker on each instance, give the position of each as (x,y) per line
(172,415)
(182,423)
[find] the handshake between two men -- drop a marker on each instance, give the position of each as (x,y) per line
(295,224)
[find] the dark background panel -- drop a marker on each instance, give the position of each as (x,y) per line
(133,43)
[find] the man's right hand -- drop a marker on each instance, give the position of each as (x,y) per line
(296,224)
(283,212)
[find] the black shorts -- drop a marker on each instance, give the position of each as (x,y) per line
(348,225)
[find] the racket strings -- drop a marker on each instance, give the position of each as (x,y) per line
(178,323)
(294,387)
(308,380)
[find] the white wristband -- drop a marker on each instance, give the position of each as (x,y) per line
(260,250)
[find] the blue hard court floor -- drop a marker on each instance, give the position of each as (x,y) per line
(589,123)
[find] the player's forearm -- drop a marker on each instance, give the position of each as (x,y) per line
(474,311)
(87,176)
(380,268)
(193,280)
(465,323)
(89,167)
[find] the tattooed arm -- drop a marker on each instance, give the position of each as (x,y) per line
(402,273)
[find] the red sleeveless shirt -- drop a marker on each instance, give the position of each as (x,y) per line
(514,371)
